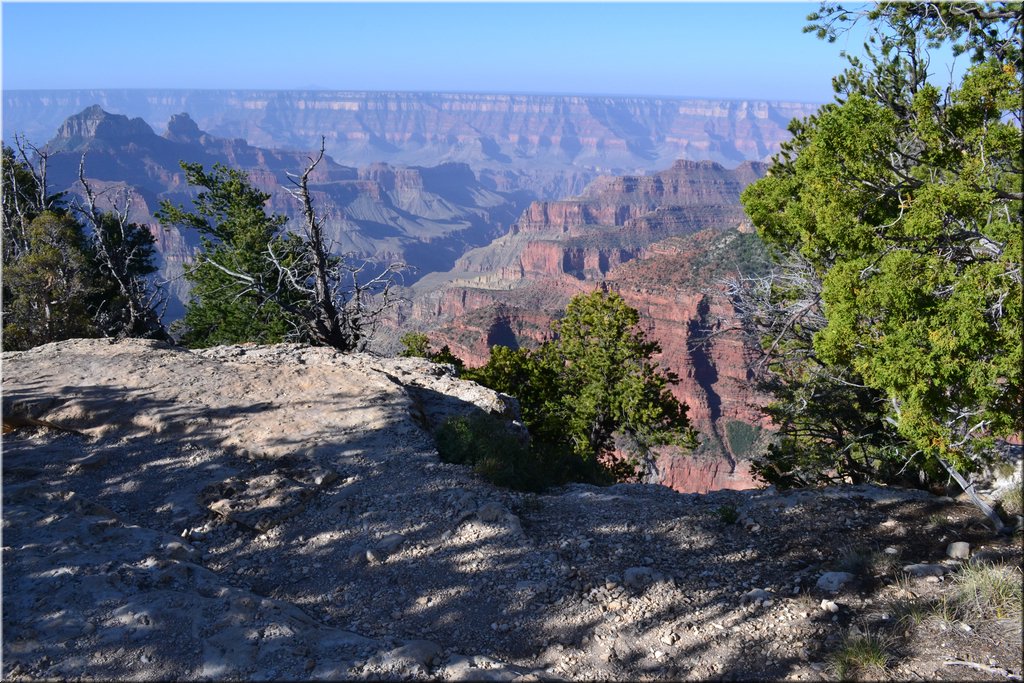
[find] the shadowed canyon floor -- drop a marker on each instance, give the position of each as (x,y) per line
(281,513)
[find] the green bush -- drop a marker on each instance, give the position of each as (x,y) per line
(728,514)
(590,388)
(742,437)
(485,443)
(417,345)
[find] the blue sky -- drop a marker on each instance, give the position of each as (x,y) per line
(727,50)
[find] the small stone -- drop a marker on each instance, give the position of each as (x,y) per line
(669,638)
(178,551)
(921,570)
(92,462)
(375,555)
(755,596)
(357,553)
(959,550)
(422,652)
(638,577)
(832,582)
(829,606)
(390,543)
(490,512)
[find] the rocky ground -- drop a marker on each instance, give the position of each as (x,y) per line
(281,513)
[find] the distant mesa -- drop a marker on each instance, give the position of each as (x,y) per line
(519,133)
(424,216)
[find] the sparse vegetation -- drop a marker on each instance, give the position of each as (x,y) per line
(860,654)
(728,514)
(979,593)
(485,443)
(1012,501)
(909,613)
(868,562)
(985,590)
(742,437)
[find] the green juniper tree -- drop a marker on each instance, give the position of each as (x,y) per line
(609,382)
(903,199)
(254,281)
(61,280)
(48,287)
(593,388)
(237,292)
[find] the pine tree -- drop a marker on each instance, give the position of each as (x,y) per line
(232,273)
(48,287)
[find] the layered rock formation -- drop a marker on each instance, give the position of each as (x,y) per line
(426,217)
(536,142)
(660,241)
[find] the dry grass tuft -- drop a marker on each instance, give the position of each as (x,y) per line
(860,655)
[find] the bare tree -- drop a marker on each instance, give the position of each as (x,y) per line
(124,250)
(345,301)
(329,299)
(25,195)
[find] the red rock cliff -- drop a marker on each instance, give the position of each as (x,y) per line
(510,294)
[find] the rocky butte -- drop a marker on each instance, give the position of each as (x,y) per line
(281,513)
(662,241)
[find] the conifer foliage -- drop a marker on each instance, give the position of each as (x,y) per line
(62,279)
(902,203)
(592,390)
(255,281)
(236,295)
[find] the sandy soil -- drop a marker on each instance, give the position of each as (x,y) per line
(281,513)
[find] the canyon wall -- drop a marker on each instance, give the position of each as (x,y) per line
(614,235)
(424,216)
(536,142)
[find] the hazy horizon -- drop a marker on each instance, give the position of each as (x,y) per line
(714,51)
(389,91)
